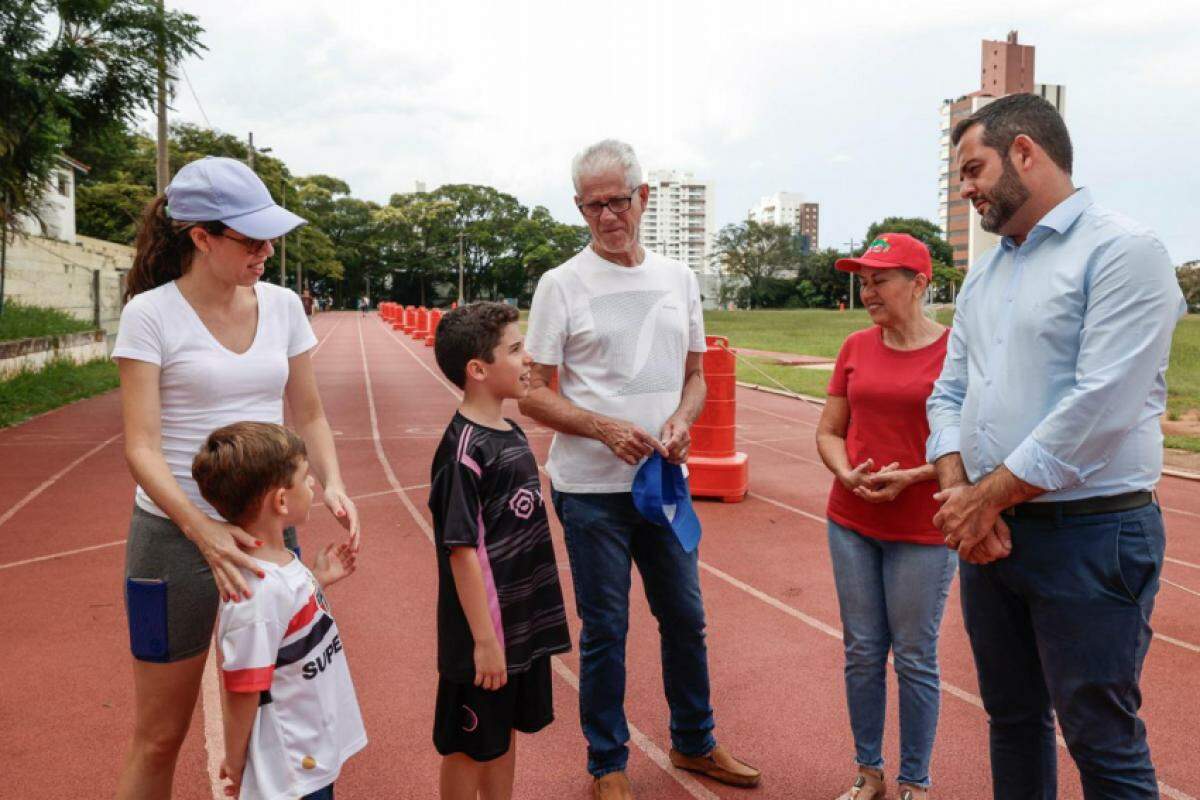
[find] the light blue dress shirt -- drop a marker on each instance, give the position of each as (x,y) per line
(1057,359)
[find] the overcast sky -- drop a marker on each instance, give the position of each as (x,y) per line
(837,100)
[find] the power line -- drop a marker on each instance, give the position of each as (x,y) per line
(195,97)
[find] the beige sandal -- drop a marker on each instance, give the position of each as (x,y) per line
(910,792)
(868,785)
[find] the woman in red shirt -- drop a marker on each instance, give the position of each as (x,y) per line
(890,564)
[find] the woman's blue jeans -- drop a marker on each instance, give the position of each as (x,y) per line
(891,595)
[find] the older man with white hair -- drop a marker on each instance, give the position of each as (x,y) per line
(623,330)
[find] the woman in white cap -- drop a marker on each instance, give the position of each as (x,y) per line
(891,567)
(202,343)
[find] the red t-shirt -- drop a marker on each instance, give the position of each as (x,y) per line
(886,390)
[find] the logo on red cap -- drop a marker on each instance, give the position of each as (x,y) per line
(880,245)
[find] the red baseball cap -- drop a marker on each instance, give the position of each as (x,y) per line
(892,251)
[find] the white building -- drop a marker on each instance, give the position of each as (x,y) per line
(55,216)
(678,223)
(790,209)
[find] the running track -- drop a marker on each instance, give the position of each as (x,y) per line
(66,695)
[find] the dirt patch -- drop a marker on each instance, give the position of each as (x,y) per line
(1188,424)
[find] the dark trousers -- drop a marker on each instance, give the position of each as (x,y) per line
(605,536)
(1061,627)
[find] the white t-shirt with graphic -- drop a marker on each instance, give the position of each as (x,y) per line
(203,385)
(283,643)
(619,337)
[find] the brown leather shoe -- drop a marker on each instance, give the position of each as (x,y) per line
(720,766)
(613,786)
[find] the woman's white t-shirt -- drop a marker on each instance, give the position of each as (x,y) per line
(202,384)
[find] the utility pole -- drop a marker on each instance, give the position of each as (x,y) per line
(460,269)
(250,153)
(162,169)
(283,241)
(850,244)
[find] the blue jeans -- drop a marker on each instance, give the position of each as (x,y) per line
(605,536)
(320,794)
(1062,626)
(891,595)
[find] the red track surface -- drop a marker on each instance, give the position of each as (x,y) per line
(66,698)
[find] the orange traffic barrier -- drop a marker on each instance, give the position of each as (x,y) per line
(435,316)
(410,319)
(421,329)
(715,468)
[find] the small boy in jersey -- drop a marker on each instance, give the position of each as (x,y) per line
(291,717)
(500,606)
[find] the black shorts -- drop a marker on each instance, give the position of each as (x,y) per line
(479,723)
(171,599)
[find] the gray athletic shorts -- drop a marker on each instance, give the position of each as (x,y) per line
(171,599)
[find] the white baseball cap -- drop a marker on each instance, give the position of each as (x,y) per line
(215,189)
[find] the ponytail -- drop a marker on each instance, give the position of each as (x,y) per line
(163,250)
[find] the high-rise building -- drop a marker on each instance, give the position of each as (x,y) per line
(678,223)
(1005,68)
(790,209)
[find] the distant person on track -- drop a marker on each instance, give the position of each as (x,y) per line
(623,330)
(364,305)
(202,343)
(1045,422)
(291,719)
(500,606)
(890,565)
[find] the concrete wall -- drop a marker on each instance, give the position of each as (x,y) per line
(55,274)
(33,354)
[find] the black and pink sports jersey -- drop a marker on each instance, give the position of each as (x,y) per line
(486,495)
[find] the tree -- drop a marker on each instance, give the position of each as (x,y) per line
(1189,282)
(755,253)
(72,71)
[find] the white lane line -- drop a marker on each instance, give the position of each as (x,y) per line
(46,484)
(774,414)
(1180,562)
(450,387)
(1168,639)
(639,739)
(1180,511)
(389,491)
(762,443)
(321,343)
(214,728)
(948,688)
(645,744)
(53,556)
(1180,586)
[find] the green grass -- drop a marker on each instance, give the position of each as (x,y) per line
(29,393)
(810,332)
(1189,443)
(816,332)
(23,322)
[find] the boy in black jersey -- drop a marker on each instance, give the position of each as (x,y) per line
(500,606)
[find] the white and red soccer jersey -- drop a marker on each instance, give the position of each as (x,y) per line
(283,643)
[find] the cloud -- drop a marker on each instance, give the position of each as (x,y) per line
(838,101)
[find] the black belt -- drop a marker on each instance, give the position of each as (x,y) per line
(1079,508)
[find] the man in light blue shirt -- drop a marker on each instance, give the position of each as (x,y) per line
(1044,428)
